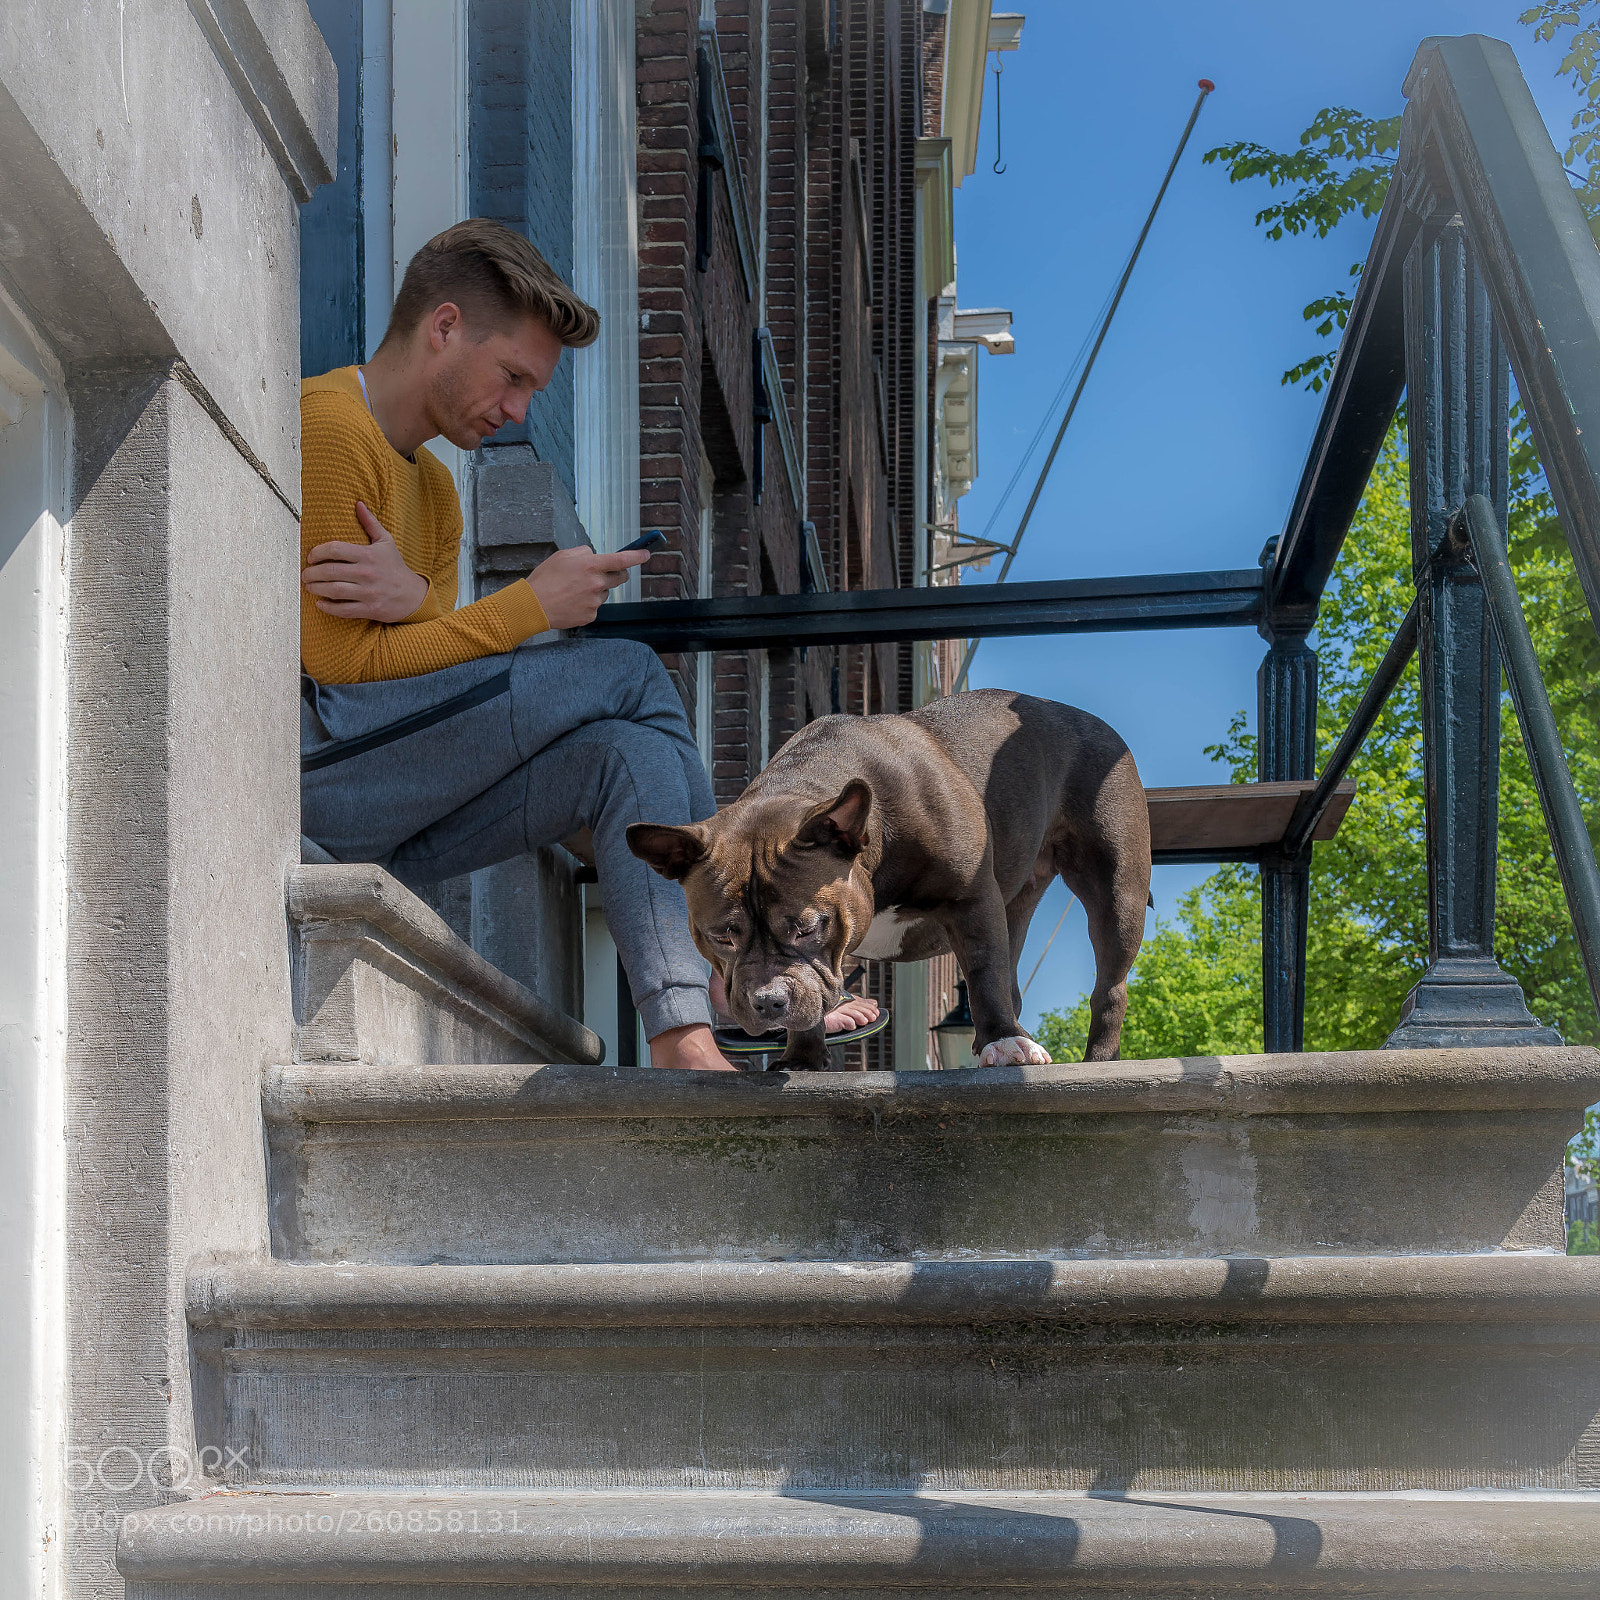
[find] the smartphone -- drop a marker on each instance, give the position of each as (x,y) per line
(647,541)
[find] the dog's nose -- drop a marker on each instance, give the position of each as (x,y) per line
(771,1002)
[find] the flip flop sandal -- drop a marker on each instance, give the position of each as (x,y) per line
(736,1042)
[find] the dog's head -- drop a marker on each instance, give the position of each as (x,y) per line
(778,898)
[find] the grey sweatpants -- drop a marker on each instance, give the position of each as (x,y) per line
(591,731)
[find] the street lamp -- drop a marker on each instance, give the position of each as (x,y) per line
(956,1031)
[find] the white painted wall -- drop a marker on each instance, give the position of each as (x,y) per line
(429,121)
(605,271)
(429,67)
(600,994)
(35,454)
(377,165)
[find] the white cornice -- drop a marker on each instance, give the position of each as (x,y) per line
(936,215)
(966,42)
(1005,29)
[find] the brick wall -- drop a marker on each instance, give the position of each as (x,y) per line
(698,329)
(828,127)
(933,26)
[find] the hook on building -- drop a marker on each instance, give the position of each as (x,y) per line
(999,164)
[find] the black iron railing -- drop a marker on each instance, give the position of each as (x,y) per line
(984,611)
(1482,265)
(1569,834)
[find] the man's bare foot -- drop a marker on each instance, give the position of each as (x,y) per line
(691,1047)
(851,1012)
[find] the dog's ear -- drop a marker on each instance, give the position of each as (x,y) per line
(841,823)
(671,851)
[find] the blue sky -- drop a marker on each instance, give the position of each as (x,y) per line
(1186,449)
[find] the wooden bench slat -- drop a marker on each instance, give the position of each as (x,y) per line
(1235,816)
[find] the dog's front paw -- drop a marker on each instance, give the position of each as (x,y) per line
(1015,1052)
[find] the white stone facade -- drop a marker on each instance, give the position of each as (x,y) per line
(152,165)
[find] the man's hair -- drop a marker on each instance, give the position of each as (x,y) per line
(495,276)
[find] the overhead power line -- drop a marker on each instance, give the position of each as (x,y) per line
(1206,88)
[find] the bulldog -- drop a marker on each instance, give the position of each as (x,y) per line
(902,837)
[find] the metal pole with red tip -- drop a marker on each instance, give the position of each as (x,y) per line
(1206,88)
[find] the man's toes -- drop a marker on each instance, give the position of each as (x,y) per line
(1018,1051)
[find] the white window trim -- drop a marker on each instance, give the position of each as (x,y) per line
(430,112)
(705,661)
(764,703)
(605,271)
(377,167)
(35,476)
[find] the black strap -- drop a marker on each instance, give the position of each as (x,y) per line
(343,749)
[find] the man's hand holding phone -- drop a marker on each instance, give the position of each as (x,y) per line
(573,584)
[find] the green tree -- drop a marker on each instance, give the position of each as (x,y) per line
(1583,1156)
(1341,168)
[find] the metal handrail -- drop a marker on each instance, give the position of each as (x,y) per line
(1363,394)
(1475,526)
(889,616)
(1473,149)
(1309,812)
(1476,123)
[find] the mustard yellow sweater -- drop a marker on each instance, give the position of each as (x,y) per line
(345,458)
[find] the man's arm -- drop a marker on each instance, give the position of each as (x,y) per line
(368,580)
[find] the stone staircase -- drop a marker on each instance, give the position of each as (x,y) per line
(1257,1326)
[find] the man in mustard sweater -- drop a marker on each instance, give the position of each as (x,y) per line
(430,742)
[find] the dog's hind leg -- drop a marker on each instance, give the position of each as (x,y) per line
(1019,915)
(1111,876)
(1116,937)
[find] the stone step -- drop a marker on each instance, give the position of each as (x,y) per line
(809,1543)
(1314,1375)
(381,978)
(1430,1150)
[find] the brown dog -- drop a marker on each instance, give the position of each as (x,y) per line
(904,837)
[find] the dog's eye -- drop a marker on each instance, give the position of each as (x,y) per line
(808,927)
(725,936)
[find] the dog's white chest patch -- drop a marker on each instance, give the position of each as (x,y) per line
(887,935)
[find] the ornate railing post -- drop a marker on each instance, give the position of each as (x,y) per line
(1286,748)
(1457,408)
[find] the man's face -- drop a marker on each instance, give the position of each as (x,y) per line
(479,382)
